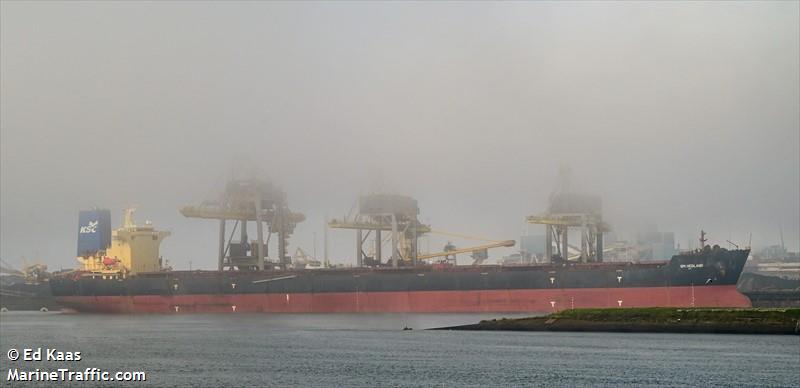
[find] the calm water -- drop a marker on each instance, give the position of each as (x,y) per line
(373,350)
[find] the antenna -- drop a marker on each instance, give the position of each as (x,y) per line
(783,247)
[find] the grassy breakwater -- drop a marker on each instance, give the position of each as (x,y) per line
(653,320)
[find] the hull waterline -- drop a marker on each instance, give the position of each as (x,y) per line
(516,301)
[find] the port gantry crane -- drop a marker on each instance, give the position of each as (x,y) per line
(397,214)
(378,213)
(567,209)
(243,201)
(557,230)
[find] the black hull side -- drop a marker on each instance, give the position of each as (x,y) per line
(20,296)
(707,268)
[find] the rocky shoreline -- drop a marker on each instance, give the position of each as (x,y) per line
(653,320)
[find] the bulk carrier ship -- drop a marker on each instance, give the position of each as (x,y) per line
(123,272)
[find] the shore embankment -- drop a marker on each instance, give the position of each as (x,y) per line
(653,320)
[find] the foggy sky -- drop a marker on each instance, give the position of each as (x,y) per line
(681,115)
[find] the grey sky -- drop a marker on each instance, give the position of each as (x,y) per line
(682,115)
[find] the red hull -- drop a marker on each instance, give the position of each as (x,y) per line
(517,301)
